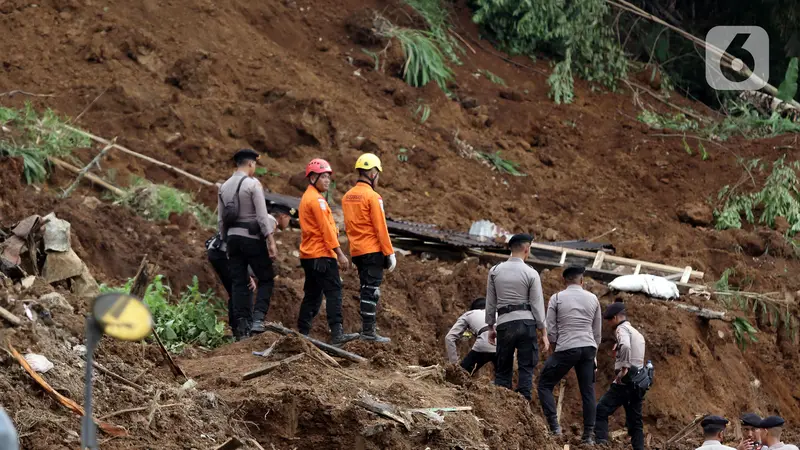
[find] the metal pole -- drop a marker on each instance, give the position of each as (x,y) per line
(88,428)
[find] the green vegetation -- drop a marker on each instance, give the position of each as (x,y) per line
(424,60)
(677,121)
(436,16)
(492,77)
(743,332)
(788,88)
(777,197)
(502,165)
(777,312)
(422,112)
(157,202)
(24,134)
(578,33)
(192,320)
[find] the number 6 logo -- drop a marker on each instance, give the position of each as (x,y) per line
(737,40)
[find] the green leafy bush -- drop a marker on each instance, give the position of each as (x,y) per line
(677,121)
(745,120)
(192,320)
(743,332)
(158,201)
(502,165)
(577,31)
(777,197)
(33,138)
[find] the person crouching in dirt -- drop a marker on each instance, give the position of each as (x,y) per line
(574,322)
(714,433)
(245,227)
(217,253)
(770,430)
(370,245)
(482,351)
(321,256)
(514,293)
(628,366)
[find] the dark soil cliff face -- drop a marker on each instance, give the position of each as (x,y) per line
(190,81)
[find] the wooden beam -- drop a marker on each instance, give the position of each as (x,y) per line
(637,269)
(271,366)
(94,178)
(687,273)
(603,275)
(11,318)
(598,260)
(616,259)
(563,258)
(327,348)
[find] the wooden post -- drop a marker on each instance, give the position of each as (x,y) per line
(327,348)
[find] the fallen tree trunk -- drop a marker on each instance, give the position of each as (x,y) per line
(95,179)
(327,348)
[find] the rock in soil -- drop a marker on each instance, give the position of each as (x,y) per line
(696,214)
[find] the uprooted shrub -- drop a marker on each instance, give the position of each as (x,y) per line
(778,197)
(578,32)
(158,201)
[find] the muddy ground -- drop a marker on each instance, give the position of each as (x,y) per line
(290,79)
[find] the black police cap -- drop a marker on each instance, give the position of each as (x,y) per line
(573,271)
(771,422)
(714,422)
(520,238)
(751,420)
(246,154)
(613,309)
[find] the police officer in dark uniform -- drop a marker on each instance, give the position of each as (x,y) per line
(714,433)
(245,227)
(514,311)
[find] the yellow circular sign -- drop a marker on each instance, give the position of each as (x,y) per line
(122,316)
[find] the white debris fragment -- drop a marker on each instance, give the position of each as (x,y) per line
(39,363)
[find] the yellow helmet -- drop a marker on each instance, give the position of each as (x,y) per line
(368,161)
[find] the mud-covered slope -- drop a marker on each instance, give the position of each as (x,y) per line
(288,78)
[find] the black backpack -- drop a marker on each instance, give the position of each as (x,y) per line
(230,210)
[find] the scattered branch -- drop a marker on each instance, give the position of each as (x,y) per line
(94,161)
(10,94)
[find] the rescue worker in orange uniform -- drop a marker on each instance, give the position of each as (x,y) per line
(370,246)
(321,255)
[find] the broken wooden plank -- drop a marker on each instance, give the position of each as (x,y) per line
(383,409)
(266,353)
(562,386)
(618,433)
(327,348)
(702,312)
(687,273)
(444,409)
(271,366)
(231,444)
(108,428)
(598,260)
(11,318)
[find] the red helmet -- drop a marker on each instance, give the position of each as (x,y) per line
(318,166)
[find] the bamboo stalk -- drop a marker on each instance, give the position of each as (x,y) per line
(95,179)
(141,156)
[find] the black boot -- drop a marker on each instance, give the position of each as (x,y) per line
(555,428)
(338,336)
(368,333)
(588,436)
(242,330)
(258,323)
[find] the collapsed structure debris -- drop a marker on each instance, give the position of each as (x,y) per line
(42,245)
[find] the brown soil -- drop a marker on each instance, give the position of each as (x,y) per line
(289,79)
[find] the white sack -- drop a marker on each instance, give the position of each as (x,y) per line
(652,285)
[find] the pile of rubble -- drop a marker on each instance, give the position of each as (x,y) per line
(41,247)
